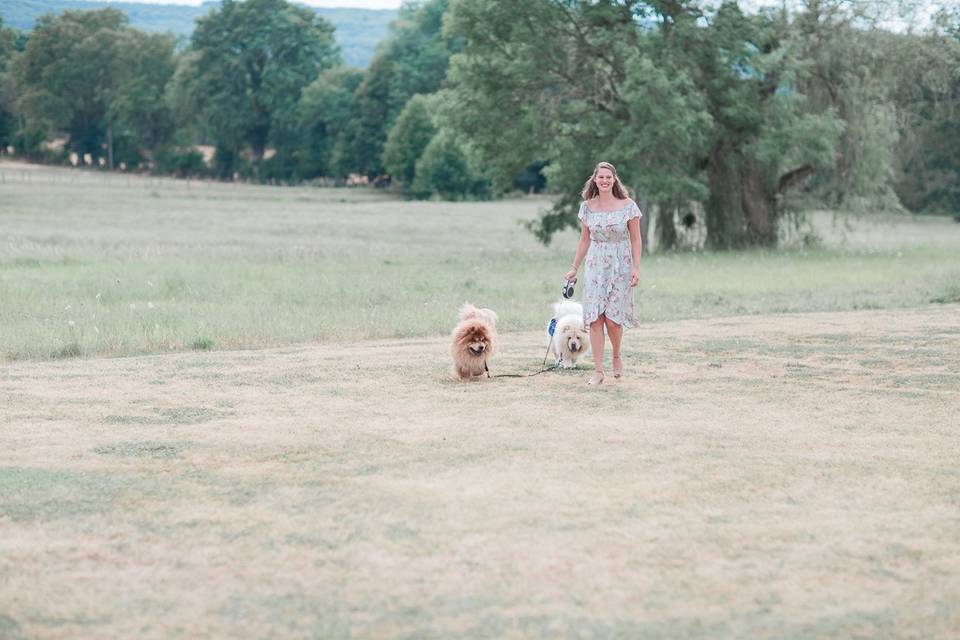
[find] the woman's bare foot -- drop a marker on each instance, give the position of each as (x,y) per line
(596,378)
(617,366)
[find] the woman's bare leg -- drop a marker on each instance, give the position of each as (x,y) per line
(596,346)
(615,331)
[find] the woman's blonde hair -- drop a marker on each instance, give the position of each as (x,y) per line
(590,189)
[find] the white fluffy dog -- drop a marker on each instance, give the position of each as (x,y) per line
(570,338)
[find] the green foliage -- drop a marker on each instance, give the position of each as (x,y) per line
(8,41)
(325,110)
(531,179)
(408,138)
(8,47)
(412,61)
(65,76)
(100,82)
(182,163)
(768,136)
(572,84)
(365,134)
(202,343)
(444,170)
(144,66)
(927,97)
(700,105)
(248,64)
(851,73)
(690,104)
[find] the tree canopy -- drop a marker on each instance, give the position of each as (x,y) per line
(711,113)
(246,67)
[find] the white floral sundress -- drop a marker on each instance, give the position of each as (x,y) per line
(606,289)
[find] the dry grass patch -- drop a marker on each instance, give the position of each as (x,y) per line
(781,477)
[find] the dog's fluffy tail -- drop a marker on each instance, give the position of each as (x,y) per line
(567,307)
(468,311)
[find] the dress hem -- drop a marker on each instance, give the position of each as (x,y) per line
(587,321)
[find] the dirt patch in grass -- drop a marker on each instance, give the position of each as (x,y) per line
(791,477)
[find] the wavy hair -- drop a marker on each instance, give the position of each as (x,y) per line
(590,189)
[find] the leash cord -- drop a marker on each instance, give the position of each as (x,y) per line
(523,375)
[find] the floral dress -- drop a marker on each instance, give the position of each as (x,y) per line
(608,264)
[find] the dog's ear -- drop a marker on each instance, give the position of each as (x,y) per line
(489,314)
(468,311)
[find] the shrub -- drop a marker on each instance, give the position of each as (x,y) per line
(445,171)
(182,163)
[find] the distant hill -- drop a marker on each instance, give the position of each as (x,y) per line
(359,31)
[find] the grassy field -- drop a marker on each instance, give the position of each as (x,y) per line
(779,461)
(94,265)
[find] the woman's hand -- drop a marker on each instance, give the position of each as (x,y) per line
(634,277)
(571,274)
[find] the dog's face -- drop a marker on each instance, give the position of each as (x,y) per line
(574,339)
(575,343)
(474,338)
(477,342)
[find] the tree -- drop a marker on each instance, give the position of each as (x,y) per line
(138,107)
(927,97)
(445,170)
(413,60)
(65,77)
(690,103)
(325,109)
(88,75)
(363,138)
(851,73)
(565,83)
(248,64)
(408,138)
(8,40)
(768,136)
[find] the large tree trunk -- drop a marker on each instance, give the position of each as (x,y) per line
(759,205)
(666,227)
(110,146)
(645,234)
(224,162)
(259,148)
(741,210)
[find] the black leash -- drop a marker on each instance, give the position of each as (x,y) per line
(567,294)
(524,375)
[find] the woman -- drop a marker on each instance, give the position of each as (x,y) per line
(610,240)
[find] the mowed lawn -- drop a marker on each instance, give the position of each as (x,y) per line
(791,476)
(282,453)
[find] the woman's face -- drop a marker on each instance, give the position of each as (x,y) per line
(604,180)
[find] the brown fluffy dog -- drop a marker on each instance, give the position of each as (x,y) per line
(474,341)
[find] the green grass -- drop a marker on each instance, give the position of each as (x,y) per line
(107,265)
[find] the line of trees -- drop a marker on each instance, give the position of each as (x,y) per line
(698,105)
(262,82)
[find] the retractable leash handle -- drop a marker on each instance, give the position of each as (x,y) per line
(568,288)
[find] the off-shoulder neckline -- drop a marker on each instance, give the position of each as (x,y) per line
(626,206)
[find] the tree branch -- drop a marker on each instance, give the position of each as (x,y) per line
(792,178)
